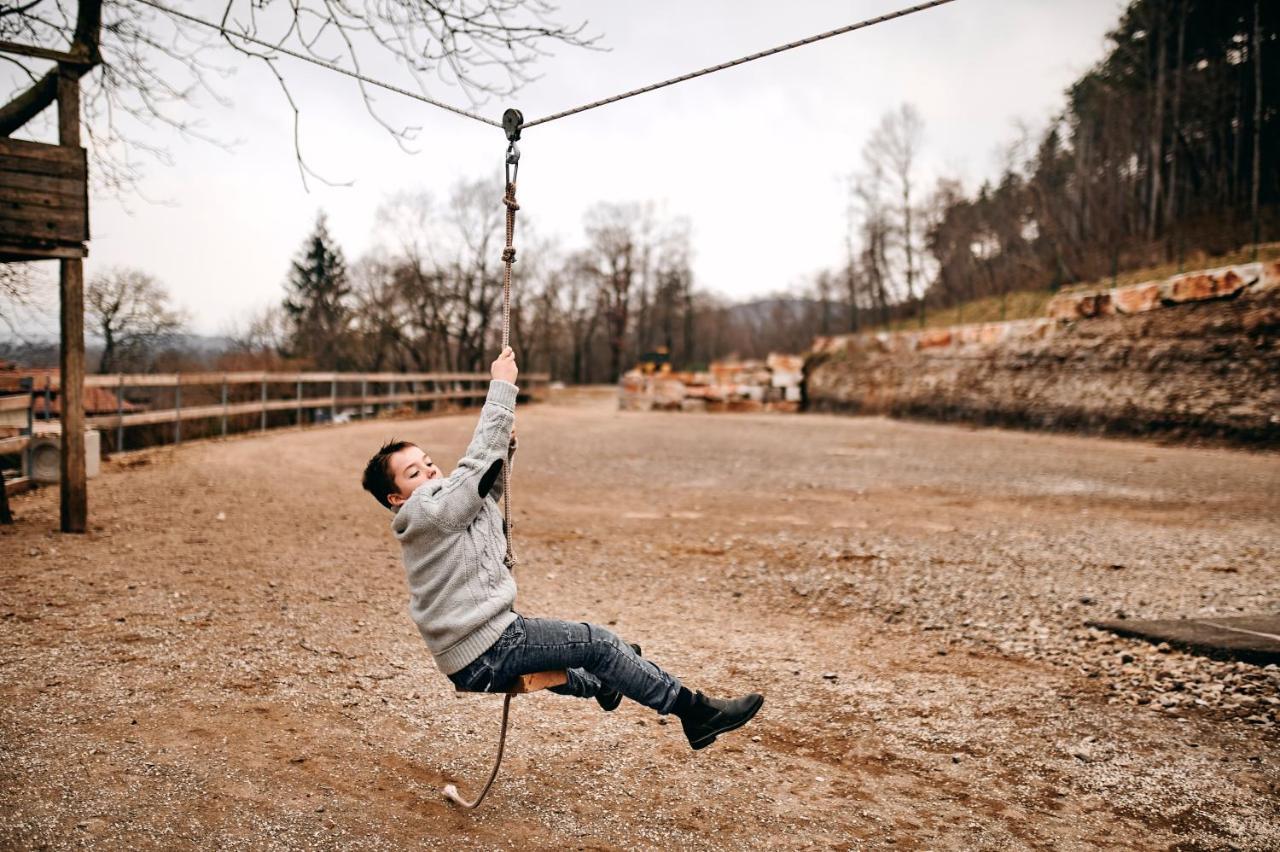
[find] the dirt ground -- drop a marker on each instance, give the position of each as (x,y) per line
(226,660)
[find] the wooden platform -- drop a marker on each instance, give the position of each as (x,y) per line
(44,201)
(1250,638)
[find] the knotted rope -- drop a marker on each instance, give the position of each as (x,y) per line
(512,122)
(508,258)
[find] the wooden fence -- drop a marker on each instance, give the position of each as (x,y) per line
(15,439)
(231,399)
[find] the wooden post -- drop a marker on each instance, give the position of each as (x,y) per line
(6,517)
(224,405)
(299,415)
(364,391)
(177,409)
(333,402)
(120,414)
(74,489)
(264,405)
(31,433)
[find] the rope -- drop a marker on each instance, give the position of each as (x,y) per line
(508,258)
(373,81)
(451,791)
(869,22)
(363,78)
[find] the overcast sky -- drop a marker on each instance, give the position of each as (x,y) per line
(754,156)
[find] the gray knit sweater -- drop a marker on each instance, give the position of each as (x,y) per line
(450,532)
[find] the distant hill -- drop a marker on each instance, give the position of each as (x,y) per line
(43,351)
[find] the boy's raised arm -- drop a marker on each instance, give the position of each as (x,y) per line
(479,471)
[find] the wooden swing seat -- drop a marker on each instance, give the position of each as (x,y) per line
(533,682)
(523,684)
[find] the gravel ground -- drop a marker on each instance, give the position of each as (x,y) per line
(226,661)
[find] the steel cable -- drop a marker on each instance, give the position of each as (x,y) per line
(372,81)
(869,22)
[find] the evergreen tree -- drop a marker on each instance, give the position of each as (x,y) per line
(317,302)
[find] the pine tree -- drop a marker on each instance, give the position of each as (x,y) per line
(316,302)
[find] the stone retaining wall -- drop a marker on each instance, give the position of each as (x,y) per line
(1195,355)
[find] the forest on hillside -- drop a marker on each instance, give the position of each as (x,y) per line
(1164,152)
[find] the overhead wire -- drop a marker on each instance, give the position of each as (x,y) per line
(869,22)
(373,81)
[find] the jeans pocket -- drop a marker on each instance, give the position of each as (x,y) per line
(511,637)
(476,676)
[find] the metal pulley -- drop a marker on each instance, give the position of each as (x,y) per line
(512,124)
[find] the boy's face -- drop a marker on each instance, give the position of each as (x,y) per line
(410,468)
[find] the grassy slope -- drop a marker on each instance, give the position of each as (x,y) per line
(1025,304)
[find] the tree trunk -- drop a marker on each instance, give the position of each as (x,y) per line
(1171,192)
(108,360)
(1157,124)
(1257,120)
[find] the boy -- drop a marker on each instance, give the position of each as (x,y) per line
(461,593)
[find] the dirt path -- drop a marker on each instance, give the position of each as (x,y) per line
(226,660)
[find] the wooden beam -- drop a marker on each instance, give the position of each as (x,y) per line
(43,53)
(74,491)
(13,446)
(23,254)
(19,485)
(65,187)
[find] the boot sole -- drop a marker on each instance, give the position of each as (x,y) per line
(706,740)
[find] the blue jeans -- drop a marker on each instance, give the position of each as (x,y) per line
(596,660)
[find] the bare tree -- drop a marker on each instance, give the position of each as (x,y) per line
(418,299)
(155,62)
(470,264)
(823,288)
(257,341)
(868,191)
(21,304)
(130,311)
(893,150)
(673,283)
(1255,47)
(581,311)
(535,322)
(615,251)
(379,315)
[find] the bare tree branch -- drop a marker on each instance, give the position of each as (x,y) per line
(155,66)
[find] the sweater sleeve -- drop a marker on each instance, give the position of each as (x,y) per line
(491,484)
(461,498)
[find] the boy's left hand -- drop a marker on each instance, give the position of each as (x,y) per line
(512,446)
(504,366)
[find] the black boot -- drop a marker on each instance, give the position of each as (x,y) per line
(611,698)
(709,717)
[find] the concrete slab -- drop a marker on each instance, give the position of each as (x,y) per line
(1251,638)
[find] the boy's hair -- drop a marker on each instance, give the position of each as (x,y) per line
(378,480)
